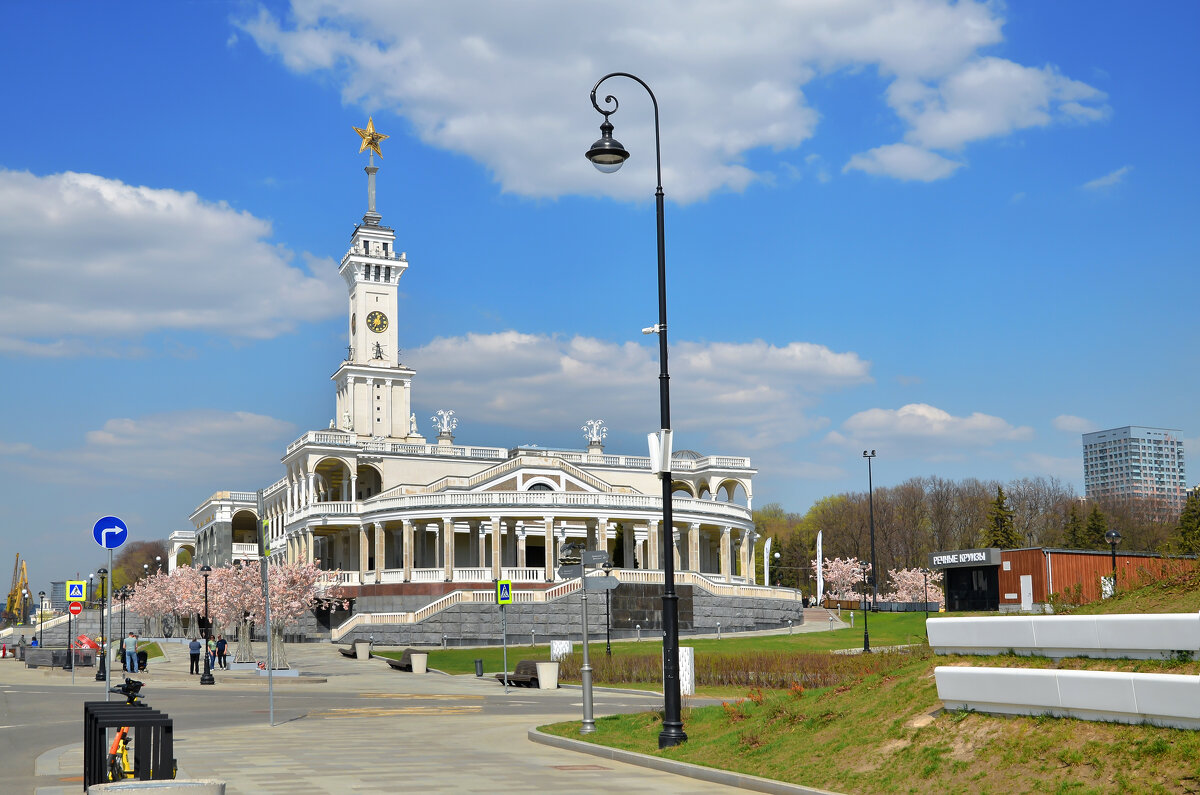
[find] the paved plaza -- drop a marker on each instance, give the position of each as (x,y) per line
(347,726)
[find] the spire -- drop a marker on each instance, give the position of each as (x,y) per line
(370,141)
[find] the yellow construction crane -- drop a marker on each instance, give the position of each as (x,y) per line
(14,608)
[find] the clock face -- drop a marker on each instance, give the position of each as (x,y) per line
(377,322)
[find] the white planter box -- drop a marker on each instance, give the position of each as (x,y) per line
(1132,636)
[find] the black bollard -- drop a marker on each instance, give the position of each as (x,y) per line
(100,671)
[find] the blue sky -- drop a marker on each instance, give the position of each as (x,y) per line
(960,234)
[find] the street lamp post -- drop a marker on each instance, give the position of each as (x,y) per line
(207,677)
(41,599)
(608,567)
(866,591)
(871,503)
(1113,537)
(102,671)
(607,155)
(925,580)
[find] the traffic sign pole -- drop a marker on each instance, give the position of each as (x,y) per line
(106,644)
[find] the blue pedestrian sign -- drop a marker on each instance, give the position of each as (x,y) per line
(76,590)
(110,532)
(504,592)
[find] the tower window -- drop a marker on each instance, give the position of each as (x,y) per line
(387,273)
(385,253)
(376,273)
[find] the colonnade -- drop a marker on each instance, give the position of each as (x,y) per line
(498,542)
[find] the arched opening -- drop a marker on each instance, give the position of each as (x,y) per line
(682,488)
(732,491)
(245,527)
(332,480)
(370,482)
(540,485)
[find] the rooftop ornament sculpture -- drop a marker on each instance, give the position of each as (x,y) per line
(444,421)
(594,431)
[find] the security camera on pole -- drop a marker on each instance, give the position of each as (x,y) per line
(110,533)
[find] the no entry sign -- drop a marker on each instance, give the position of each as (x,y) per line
(75,608)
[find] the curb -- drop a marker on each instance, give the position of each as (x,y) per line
(686,769)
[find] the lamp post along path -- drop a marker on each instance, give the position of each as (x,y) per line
(607,155)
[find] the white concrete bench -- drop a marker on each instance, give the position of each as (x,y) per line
(1160,699)
(1149,637)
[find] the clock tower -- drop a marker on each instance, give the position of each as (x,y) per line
(373,387)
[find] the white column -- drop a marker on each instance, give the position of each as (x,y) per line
(629,542)
(675,548)
(379,550)
(353,486)
(497,532)
(309,552)
(312,485)
(521,546)
(448,548)
(408,550)
(652,547)
(362,551)
(693,561)
(549,549)
(750,557)
(602,534)
(725,573)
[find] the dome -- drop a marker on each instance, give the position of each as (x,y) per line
(691,455)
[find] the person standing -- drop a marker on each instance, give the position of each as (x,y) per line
(222,648)
(194,650)
(131,658)
(212,653)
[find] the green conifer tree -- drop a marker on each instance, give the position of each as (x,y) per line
(1189,524)
(1097,526)
(1075,535)
(1001,532)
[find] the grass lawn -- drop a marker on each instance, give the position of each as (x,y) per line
(886,629)
(152,650)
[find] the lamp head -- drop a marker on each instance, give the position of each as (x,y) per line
(206,570)
(1113,536)
(102,572)
(607,154)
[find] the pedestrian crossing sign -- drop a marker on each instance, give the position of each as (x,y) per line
(504,592)
(76,590)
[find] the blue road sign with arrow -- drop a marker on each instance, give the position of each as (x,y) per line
(110,532)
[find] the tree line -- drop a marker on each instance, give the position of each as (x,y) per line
(930,514)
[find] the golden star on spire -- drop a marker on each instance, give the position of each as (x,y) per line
(370,138)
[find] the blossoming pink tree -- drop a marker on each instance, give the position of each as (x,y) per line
(148,602)
(234,596)
(841,576)
(908,585)
(295,591)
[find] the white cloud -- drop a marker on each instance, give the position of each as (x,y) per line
(902,161)
(1072,424)
(506,83)
(1108,180)
(740,395)
(180,447)
(93,261)
(924,430)
(1069,469)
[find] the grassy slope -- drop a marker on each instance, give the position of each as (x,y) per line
(885,734)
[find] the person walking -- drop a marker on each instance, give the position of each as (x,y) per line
(131,656)
(222,648)
(212,654)
(194,650)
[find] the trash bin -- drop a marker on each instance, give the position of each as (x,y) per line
(420,662)
(479,667)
